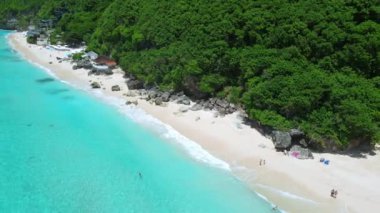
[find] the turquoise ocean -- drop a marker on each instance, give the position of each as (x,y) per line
(64,150)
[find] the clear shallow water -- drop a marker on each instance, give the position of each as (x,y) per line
(62,150)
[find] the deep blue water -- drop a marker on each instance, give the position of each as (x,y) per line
(63,150)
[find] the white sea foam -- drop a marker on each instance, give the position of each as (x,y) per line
(48,71)
(286,194)
(166,131)
(140,116)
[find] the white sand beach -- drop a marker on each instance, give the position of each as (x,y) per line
(292,184)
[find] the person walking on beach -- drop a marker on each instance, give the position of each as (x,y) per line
(334,193)
(262,162)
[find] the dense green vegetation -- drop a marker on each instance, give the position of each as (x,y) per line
(308,64)
(24,10)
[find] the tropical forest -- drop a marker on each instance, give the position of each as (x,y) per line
(311,65)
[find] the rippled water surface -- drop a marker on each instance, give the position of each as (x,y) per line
(62,150)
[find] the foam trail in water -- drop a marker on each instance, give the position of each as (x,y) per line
(166,131)
(140,116)
(48,71)
(286,194)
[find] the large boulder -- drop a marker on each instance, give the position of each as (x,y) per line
(95,85)
(165,96)
(115,88)
(158,101)
(152,94)
(142,92)
(108,72)
(131,102)
(183,109)
(281,140)
(301,153)
(135,84)
(196,107)
(208,105)
(183,100)
(130,94)
(222,103)
(86,64)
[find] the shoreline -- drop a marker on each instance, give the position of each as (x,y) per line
(293,185)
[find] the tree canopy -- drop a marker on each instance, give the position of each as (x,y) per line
(308,64)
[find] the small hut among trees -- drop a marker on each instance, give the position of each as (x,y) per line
(104,60)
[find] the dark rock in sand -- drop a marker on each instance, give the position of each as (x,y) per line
(196,107)
(281,140)
(222,112)
(135,84)
(100,71)
(222,103)
(142,92)
(131,102)
(208,105)
(302,153)
(95,85)
(183,100)
(158,101)
(183,109)
(153,93)
(165,96)
(173,97)
(115,88)
(85,64)
(108,72)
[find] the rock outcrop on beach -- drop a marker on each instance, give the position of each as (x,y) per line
(154,95)
(158,101)
(196,107)
(281,140)
(131,102)
(84,63)
(301,153)
(165,96)
(220,105)
(115,88)
(96,71)
(293,141)
(183,99)
(134,84)
(95,85)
